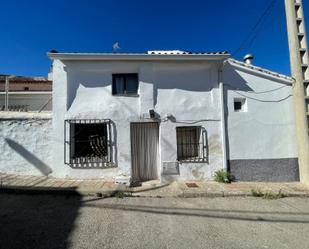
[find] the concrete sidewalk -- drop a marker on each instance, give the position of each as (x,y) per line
(99,187)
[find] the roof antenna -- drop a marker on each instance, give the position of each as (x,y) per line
(116,47)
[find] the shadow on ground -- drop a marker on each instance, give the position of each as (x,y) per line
(37,221)
(228,214)
(48,221)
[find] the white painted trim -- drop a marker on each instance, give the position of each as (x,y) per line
(28,92)
(254,69)
(135,57)
(25,115)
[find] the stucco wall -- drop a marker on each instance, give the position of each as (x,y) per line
(188,91)
(191,95)
(26,146)
(261,140)
(265,130)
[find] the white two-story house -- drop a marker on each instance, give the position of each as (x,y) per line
(170,115)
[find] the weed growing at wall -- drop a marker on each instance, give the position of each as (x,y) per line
(267,195)
(222,176)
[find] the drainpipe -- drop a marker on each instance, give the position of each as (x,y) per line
(221,88)
(6,88)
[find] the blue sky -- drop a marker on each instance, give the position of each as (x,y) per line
(31,28)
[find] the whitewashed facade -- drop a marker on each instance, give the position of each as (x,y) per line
(179,90)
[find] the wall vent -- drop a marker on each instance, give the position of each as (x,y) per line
(170,168)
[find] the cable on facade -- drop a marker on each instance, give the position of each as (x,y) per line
(268,91)
(262,100)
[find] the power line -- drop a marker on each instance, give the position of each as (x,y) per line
(256,28)
(262,92)
(264,100)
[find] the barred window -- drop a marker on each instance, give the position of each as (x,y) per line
(88,143)
(191,144)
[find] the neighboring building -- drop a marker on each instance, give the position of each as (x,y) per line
(26,93)
(170,115)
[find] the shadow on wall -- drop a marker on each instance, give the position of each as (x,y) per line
(233,81)
(28,156)
(37,220)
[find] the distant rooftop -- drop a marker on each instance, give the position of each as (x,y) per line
(25,79)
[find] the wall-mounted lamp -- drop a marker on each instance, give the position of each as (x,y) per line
(152,113)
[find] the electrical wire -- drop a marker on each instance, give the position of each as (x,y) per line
(248,41)
(262,100)
(262,92)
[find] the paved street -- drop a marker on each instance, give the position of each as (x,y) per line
(37,221)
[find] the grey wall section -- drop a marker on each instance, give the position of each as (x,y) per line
(266,170)
(27,101)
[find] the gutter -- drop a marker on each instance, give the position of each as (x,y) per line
(136,57)
(258,70)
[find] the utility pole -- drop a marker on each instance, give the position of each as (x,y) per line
(6,104)
(300,72)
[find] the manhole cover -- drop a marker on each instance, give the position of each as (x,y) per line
(191,185)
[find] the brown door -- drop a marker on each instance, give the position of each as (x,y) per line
(144,151)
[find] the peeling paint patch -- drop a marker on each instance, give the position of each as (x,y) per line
(214,144)
(125,157)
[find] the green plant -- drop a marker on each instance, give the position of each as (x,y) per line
(222,176)
(272,196)
(268,195)
(121,194)
(257,193)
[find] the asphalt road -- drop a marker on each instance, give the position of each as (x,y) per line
(37,221)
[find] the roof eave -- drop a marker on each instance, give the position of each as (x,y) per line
(270,74)
(135,57)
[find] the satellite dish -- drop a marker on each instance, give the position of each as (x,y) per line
(116,46)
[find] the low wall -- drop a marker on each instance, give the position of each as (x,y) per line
(25,145)
(27,101)
(266,170)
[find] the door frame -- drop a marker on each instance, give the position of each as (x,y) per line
(158,152)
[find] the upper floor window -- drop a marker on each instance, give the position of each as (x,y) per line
(125,84)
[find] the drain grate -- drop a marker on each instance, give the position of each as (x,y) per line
(191,185)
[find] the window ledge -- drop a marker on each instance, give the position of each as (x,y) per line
(192,161)
(126,95)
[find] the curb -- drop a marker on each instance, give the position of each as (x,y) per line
(214,194)
(56,191)
(111,193)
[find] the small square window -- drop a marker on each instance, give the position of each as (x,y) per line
(240,105)
(125,84)
(26,88)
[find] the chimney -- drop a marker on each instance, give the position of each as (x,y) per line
(248,58)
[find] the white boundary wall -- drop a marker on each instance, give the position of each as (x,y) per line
(25,144)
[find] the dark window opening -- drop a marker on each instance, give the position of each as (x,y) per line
(26,88)
(237,106)
(240,105)
(191,144)
(88,142)
(125,84)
